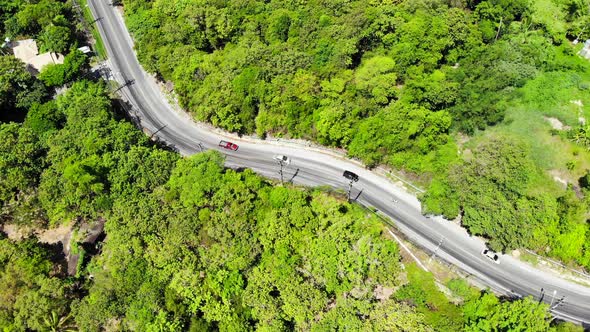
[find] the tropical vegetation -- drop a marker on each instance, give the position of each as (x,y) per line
(185,243)
(484,103)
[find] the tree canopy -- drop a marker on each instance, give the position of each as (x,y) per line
(436,89)
(190,244)
(415,85)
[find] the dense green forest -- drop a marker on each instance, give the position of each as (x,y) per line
(191,245)
(459,95)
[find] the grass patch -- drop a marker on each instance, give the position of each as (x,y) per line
(461,288)
(529,258)
(422,293)
(554,94)
(536,132)
(560,95)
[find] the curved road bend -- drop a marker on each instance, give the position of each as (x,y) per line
(314,168)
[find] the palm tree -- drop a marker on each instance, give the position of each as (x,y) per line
(582,135)
(54,323)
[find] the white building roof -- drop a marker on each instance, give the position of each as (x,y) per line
(25,50)
(84,49)
(44,59)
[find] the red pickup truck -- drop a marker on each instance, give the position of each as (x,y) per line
(228,145)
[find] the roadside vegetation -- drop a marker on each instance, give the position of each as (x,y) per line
(485,103)
(193,246)
(188,244)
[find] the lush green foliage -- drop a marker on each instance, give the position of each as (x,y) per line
(229,248)
(19,90)
(326,71)
(49,20)
(75,183)
(31,291)
(191,245)
(399,83)
(487,313)
(479,311)
(55,38)
(59,74)
(21,161)
(22,96)
(422,292)
(342,73)
(497,193)
(51,23)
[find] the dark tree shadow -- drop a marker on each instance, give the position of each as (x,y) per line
(294,175)
(358,195)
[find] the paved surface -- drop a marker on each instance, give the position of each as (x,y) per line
(313,167)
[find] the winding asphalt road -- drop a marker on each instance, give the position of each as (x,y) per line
(315,166)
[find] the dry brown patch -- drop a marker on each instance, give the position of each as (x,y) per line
(55,235)
(383,293)
(15,232)
(559,177)
(556,124)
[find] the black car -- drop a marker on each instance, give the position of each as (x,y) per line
(491,255)
(351,176)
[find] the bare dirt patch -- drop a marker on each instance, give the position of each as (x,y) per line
(383,293)
(556,124)
(55,235)
(581,118)
(559,177)
(15,232)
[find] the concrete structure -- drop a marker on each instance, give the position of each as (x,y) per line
(85,49)
(585,52)
(27,51)
(44,59)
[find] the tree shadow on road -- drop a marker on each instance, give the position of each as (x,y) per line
(294,175)
(358,195)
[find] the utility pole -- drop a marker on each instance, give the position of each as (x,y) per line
(281,170)
(558,303)
(127,83)
(352,178)
(552,298)
(442,239)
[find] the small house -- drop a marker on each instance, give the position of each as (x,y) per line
(27,51)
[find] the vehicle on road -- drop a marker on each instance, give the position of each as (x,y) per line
(282,159)
(351,176)
(228,145)
(491,255)
(514,275)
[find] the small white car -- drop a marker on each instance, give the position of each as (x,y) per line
(491,255)
(282,159)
